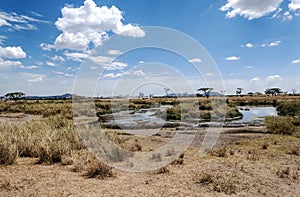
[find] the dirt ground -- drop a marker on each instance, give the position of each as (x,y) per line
(17,117)
(241,164)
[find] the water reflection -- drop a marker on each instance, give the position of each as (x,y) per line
(253,114)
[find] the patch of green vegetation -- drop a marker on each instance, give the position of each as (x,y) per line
(280,125)
(205,105)
(289,108)
(254,102)
(233,112)
(174,113)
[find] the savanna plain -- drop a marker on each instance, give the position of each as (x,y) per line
(41,154)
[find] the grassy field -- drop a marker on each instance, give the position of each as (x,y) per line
(44,155)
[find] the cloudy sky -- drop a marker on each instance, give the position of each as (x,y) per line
(254,44)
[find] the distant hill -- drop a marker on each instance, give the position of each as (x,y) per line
(64,96)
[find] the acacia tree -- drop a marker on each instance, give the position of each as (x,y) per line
(273,91)
(239,91)
(206,91)
(15,95)
(167,91)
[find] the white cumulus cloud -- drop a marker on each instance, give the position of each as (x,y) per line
(294,5)
(296,61)
(33,78)
(107,63)
(77,57)
(69,75)
(114,52)
(58,58)
(4,22)
(28,67)
(116,66)
(112,75)
(50,63)
(8,63)
(232,58)
(272,44)
(91,24)
(273,79)
(58,73)
(47,47)
(249,45)
(195,60)
(139,73)
(276,43)
(255,79)
(135,73)
(250,9)
(36,80)
(287,16)
(12,52)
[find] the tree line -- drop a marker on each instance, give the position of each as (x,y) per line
(13,96)
(269,91)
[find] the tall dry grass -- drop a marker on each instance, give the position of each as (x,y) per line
(48,139)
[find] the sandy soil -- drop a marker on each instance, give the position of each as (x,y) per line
(245,170)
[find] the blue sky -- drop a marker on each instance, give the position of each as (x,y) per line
(254,44)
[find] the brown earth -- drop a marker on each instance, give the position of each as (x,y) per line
(241,164)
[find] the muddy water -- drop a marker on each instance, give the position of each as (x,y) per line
(251,115)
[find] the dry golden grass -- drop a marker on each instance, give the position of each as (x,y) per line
(48,139)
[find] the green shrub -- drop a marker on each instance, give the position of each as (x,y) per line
(280,125)
(233,112)
(174,113)
(296,121)
(289,108)
(205,115)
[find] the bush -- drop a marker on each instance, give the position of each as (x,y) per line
(174,113)
(288,108)
(220,152)
(233,112)
(88,165)
(97,169)
(296,121)
(280,125)
(205,178)
(218,183)
(8,154)
(205,115)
